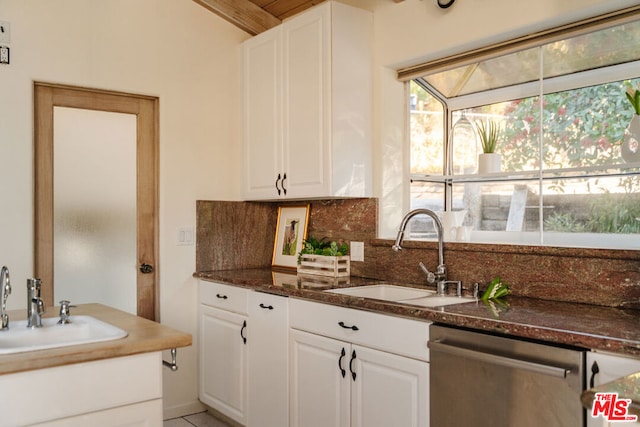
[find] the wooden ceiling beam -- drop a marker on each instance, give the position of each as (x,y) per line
(243,14)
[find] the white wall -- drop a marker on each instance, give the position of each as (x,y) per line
(173,49)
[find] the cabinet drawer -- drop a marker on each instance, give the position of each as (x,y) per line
(397,335)
(226,297)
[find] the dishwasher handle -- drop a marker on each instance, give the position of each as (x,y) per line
(508,362)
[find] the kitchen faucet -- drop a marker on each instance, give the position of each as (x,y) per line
(5,283)
(440,275)
(35,305)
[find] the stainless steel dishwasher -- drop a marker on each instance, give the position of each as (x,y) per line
(478,379)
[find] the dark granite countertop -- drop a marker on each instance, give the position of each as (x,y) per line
(588,326)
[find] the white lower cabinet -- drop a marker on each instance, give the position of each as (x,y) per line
(122,391)
(223,351)
(603,368)
(344,370)
(243,354)
(268,385)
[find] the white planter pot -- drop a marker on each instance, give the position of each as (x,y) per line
(489,163)
(630,148)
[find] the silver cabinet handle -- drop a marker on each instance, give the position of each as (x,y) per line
(508,362)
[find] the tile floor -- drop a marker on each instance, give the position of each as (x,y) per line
(201,419)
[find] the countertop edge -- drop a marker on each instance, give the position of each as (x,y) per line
(144,336)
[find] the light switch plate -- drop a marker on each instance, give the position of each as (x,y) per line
(186,236)
(4,55)
(357,251)
(5,32)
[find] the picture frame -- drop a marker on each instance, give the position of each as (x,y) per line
(291,230)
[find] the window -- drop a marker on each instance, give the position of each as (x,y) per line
(570,171)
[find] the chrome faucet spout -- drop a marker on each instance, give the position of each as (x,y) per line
(440,274)
(5,283)
(35,304)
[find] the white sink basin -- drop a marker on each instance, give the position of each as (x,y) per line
(436,301)
(82,330)
(402,294)
(383,292)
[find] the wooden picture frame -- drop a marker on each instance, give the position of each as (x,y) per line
(291,230)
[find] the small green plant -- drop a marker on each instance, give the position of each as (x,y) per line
(489,135)
(322,247)
(496,290)
(633,95)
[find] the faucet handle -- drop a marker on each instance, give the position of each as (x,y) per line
(431,277)
(65,305)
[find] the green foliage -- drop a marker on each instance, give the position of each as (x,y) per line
(322,247)
(563,222)
(633,95)
(615,216)
(489,135)
(497,289)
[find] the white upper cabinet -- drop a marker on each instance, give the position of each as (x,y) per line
(307,106)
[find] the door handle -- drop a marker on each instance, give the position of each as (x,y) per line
(146,268)
(353,328)
(278,182)
(495,359)
(244,326)
(266,307)
(353,357)
(342,370)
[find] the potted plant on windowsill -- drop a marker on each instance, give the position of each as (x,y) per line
(630,148)
(489,161)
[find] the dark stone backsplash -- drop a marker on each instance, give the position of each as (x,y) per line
(237,235)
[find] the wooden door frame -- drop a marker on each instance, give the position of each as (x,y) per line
(46,97)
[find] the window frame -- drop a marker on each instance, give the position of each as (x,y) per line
(540,87)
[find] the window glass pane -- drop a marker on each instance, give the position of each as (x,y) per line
(427,132)
(425,195)
(498,206)
(609,205)
(585,127)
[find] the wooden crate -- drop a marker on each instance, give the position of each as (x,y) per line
(332,266)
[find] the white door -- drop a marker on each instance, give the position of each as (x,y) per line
(223,362)
(608,368)
(388,390)
(307,103)
(262,140)
(268,355)
(320,382)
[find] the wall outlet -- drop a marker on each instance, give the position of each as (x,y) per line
(5,32)
(4,55)
(357,251)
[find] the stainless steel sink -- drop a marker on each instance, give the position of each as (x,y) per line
(402,294)
(83,330)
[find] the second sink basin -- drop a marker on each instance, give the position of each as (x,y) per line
(82,330)
(402,294)
(384,292)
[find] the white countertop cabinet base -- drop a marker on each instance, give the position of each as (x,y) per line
(345,377)
(610,367)
(110,392)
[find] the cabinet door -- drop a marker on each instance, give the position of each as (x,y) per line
(262,126)
(268,356)
(307,101)
(320,395)
(388,390)
(609,368)
(223,361)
